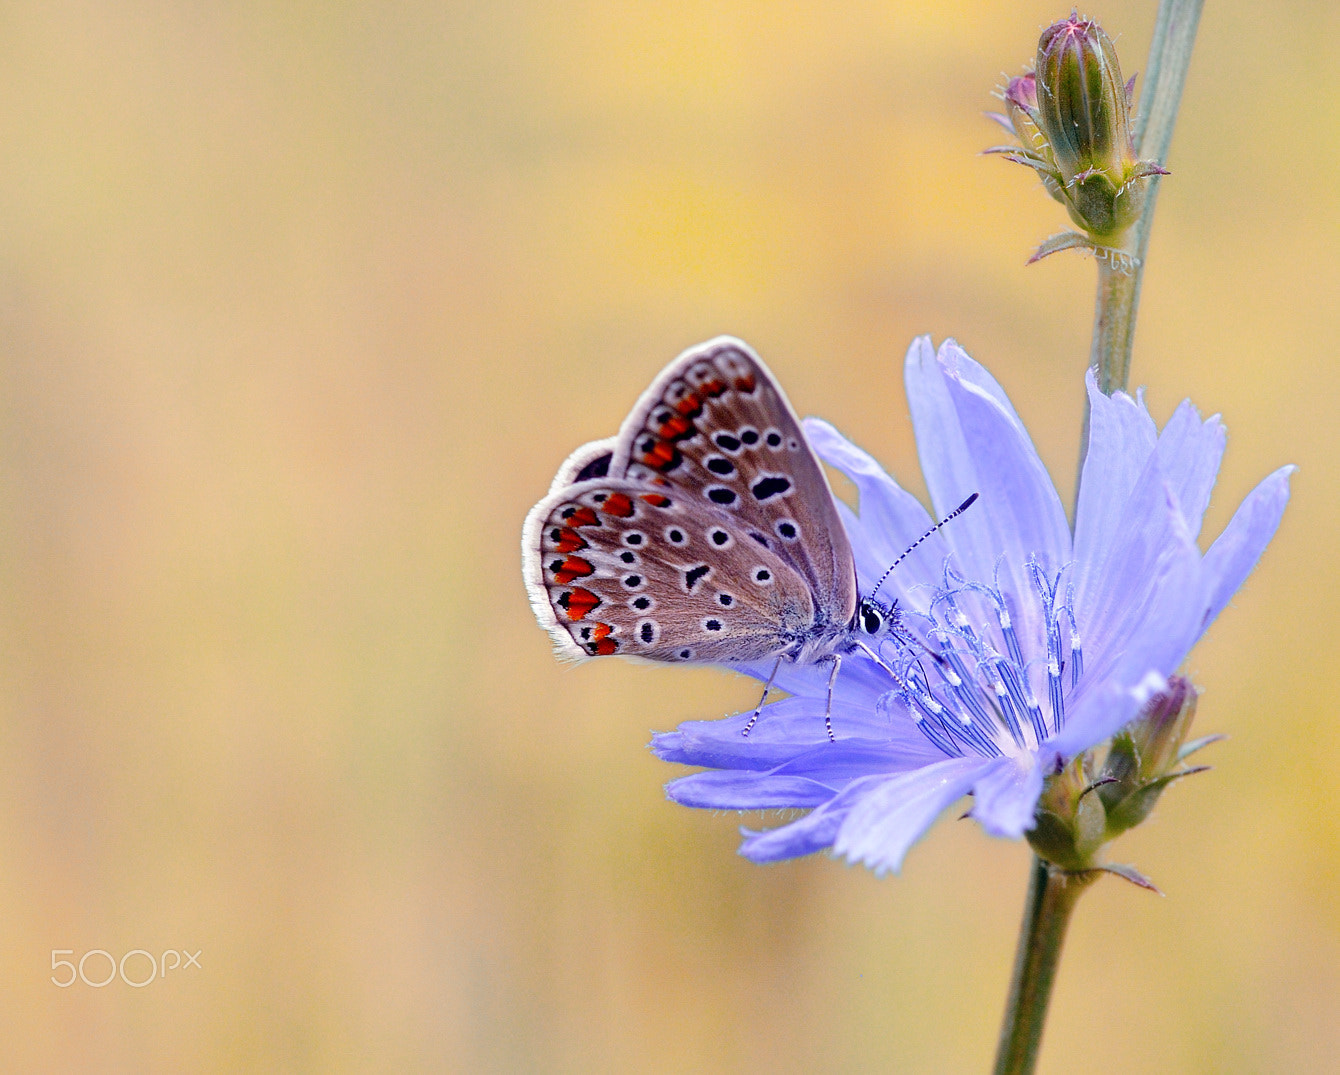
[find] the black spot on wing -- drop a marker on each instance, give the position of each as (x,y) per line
(599,467)
(770,486)
(694,575)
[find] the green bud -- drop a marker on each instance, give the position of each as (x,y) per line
(1072,119)
(1081,99)
(1071,823)
(1084,115)
(1145,756)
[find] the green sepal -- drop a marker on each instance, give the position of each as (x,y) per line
(1066,240)
(1196,744)
(1135,807)
(1131,874)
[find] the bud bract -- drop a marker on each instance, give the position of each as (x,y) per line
(1021,106)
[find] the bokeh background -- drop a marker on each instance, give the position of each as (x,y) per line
(300,307)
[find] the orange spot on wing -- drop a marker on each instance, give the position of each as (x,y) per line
(617,504)
(676,428)
(713,388)
(574,567)
(745,383)
(578,602)
(582,516)
(690,405)
(569,541)
(656,500)
(599,631)
(604,648)
(663,456)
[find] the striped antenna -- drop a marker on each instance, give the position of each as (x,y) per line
(953,514)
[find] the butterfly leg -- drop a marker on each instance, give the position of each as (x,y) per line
(766,687)
(874,656)
(828,712)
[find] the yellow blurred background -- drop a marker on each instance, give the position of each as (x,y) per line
(302,304)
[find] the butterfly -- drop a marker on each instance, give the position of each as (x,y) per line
(705,531)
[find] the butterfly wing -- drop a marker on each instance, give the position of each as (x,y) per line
(589,461)
(624,566)
(716,427)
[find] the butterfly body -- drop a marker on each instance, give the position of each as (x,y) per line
(705,531)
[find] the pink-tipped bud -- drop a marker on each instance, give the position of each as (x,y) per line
(1083,114)
(1145,757)
(1082,99)
(1072,116)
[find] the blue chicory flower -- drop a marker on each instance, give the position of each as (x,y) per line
(1049,643)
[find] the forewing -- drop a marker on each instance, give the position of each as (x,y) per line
(618,566)
(716,427)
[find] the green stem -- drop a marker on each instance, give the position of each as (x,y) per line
(1114,325)
(1118,292)
(1052,895)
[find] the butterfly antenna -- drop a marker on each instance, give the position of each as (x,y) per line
(952,515)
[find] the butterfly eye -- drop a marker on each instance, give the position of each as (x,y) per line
(871,619)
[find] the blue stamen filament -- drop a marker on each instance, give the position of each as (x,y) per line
(969,711)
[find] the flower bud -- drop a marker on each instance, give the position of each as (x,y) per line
(1072,119)
(1145,755)
(1083,114)
(1082,102)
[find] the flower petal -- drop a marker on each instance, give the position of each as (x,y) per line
(860,683)
(1235,552)
(893,814)
(1006,796)
(1020,503)
(813,832)
(1121,439)
(786,730)
(733,789)
(1189,453)
(1119,589)
(1145,623)
(946,461)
